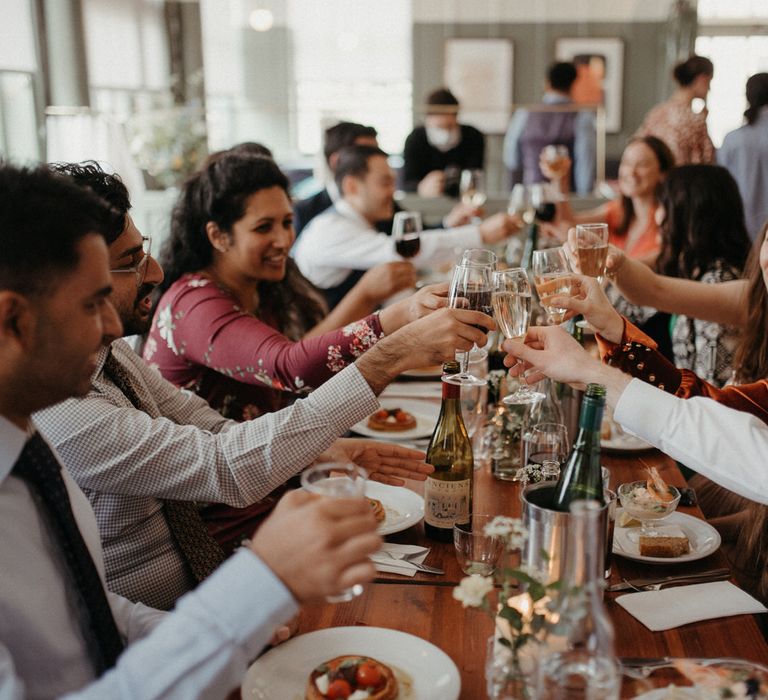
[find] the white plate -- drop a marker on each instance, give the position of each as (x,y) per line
(703,538)
(402,506)
(673,693)
(424,412)
(433,371)
(283,671)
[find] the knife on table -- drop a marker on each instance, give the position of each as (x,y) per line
(702,577)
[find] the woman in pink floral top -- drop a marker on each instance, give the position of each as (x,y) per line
(238,323)
(673,121)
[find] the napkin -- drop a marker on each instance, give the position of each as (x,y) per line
(673,607)
(385,563)
(416,390)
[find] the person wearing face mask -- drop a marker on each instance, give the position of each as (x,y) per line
(435,154)
(553,124)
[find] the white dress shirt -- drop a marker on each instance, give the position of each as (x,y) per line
(127,460)
(201,650)
(340,240)
(730,447)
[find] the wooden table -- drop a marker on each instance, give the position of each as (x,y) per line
(424,606)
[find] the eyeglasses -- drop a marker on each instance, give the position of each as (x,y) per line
(140,268)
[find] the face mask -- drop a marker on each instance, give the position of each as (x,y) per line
(443,139)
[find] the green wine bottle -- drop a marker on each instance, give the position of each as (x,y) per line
(448,490)
(580,478)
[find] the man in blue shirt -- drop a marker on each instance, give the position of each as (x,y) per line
(530,131)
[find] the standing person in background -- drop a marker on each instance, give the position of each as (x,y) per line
(530,131)
(435,154)
(745,153)
(675,123)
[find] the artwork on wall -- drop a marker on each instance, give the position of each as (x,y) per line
(479,73)
(600,71)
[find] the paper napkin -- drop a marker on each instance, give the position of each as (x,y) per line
(387,564)
(673,607)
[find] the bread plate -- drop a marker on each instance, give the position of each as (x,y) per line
(424,412)
(402,507)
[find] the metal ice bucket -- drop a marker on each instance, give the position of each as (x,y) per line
(548,532)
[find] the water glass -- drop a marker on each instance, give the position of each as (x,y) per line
(406,232)
(546,442)
(476,552)
(337,480)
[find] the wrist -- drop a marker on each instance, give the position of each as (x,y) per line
(393,317)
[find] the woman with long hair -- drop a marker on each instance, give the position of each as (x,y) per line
(631,218)
(237,322)
(675,123)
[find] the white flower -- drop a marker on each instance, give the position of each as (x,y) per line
(511,530)
(166,326)
(472,590)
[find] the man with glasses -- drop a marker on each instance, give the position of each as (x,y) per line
(144,451)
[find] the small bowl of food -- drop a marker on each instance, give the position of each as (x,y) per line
(649,501)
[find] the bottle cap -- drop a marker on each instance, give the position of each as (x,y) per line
(451,367)
(596,391)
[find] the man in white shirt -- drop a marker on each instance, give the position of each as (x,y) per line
(131,462)
(727,446)
(60,631)
(342,242)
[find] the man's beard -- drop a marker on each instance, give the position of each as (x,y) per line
(136,324)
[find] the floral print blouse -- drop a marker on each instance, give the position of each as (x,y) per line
(684,131)
(203,341)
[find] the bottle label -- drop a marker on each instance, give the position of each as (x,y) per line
(446,502)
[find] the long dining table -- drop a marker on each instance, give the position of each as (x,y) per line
(424,606)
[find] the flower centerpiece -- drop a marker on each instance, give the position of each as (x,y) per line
(521,605)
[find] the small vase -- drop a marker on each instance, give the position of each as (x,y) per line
(505,680)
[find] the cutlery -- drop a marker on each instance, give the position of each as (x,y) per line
(640,668)
(639,584)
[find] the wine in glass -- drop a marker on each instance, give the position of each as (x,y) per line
(472,188)
(592,249)
(557,158)
(479,256)
(553,277)
(471,288)
(337,480)
(521,202)
(406,230)
(512,311)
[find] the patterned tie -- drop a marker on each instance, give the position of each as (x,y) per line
(40,469)
(200,551)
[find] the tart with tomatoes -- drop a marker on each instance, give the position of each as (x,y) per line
(391,420)
(352,678)
(378,510)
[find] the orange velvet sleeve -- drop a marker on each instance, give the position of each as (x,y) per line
(637,355)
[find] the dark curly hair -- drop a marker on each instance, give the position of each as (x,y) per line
(218,193)
(703,221)
(108,186)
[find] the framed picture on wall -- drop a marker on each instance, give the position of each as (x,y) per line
(479,73)
(600,74)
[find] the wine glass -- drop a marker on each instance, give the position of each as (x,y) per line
(472,188)
(337,480)
(649,510)
(592,249)
(406,231)
(546,442)
(512,310)
(524,200)
(471,288)
(479,256)
(553,277)
(556,156)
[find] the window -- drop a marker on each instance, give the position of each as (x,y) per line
(734,36)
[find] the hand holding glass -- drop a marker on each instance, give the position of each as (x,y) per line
(472,188)
(337,480)
(512,310)
(592,249)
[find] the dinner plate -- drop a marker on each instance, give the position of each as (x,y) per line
(424,412)
(624,442)
(402,506)
(283,671)
(703,539)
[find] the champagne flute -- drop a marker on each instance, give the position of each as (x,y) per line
(472,188)
(553,277)
(337,480)
(406,231)
(521,203)
(471,288)
(592,249)
(512,310)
